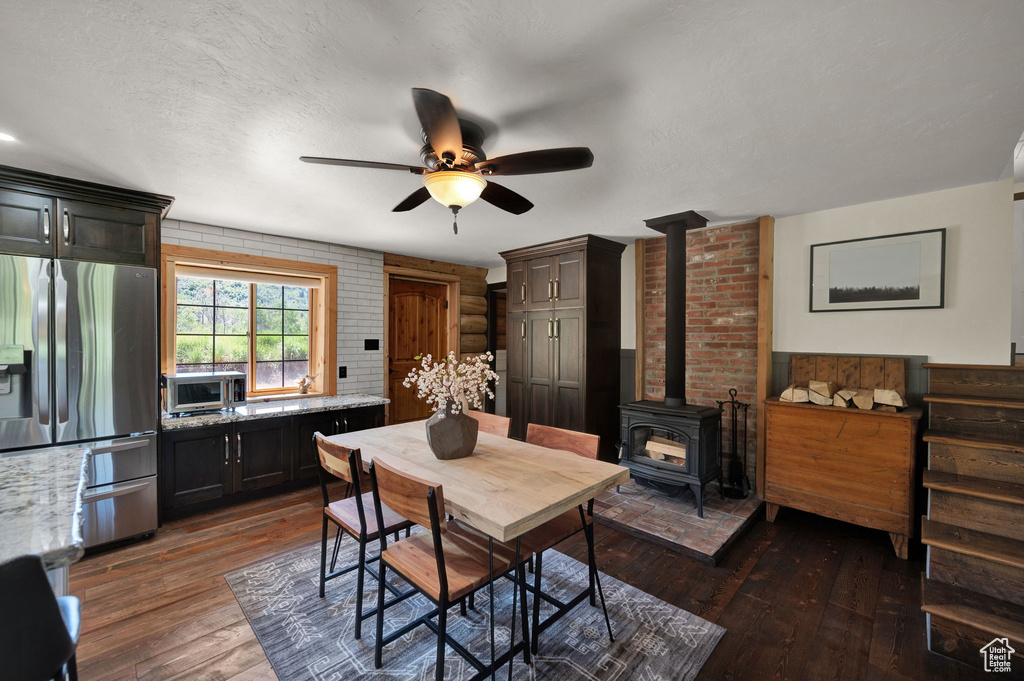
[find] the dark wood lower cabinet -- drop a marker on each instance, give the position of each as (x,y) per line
(202,467)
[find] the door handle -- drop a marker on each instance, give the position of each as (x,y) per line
(117,490)
(522,293)
(61,328)
(558,328)
(42,369)
(551,289)
(238,449)
(67,227)
(556,288)
(551,329)
(337,426)
(121,447)
(46,224)
(227,450)
(524,329)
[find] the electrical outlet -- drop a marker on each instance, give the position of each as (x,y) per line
(342,372)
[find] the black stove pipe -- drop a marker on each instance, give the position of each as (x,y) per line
(675,227)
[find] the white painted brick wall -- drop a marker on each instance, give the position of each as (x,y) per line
(360,289)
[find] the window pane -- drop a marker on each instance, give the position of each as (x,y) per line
(268,295)
(296,321)
(232,349)
(232,321)
(195,319)
(268,321)
(294,371)
(195,291)
(268,375)
(232,293)
(296,298)
(268,348)
(194,350)
(193,368)
(296,347)
(244,368)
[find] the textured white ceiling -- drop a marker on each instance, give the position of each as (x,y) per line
(734,108)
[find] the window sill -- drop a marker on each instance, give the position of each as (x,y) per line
(285,396)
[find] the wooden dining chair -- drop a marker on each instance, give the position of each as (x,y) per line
(447,563)
(353,515)
(566,525)
(492,423)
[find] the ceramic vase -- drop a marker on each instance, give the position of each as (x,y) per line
(451,436)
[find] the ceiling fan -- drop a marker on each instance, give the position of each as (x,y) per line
(455,167)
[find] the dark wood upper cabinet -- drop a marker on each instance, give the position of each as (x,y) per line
(50,216)
(105,234)
(563,363)
(26,223)
(263,453)
(515,278)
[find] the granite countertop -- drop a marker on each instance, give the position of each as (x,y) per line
(266,410)
(41,504)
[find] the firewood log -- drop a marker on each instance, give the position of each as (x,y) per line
(839,401)
(864,399)
(794,393)
(889,397)
(823,388)
(886,408)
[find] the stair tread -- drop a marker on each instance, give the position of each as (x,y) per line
(969,542)
(975,401)
(991,615)
(996,490)
(944,437)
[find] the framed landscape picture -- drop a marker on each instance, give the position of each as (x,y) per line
(894,272)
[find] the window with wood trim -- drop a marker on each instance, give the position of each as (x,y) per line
(271,319)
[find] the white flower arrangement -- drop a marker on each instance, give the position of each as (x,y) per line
(451,381)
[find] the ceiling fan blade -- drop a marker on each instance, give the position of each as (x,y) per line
(362,164)
(413,200)
(505,199)
(440,123)
(542,161)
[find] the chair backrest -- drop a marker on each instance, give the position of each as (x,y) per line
(342,462)
(34,641)
(407,495)
(492,423)
(584,444)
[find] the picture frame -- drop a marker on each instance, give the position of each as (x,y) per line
(893,272)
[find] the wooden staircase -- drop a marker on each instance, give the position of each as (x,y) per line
(973,590)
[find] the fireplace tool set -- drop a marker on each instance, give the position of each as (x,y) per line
(738,486)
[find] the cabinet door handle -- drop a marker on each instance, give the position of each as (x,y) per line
(551,329)
(524,330)
(46,225)
(551,292)
(558,328)
(238,452)
(522,293)
(556,288)
(67,227)
(227,450)
(337,426)
(344,421)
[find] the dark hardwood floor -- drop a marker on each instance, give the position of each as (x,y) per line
(801,598)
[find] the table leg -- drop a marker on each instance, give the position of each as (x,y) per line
(490,588)
(512,628)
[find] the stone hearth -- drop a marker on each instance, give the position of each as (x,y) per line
(672,521)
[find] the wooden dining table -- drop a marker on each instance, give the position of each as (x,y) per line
(503,490)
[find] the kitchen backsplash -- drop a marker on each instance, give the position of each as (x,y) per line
(360,289)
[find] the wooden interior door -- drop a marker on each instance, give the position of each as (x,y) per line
(417,325)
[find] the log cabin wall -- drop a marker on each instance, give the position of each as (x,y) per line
(472,297)
(721,320)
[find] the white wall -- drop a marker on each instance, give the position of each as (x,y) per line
(360,289)
(974,326)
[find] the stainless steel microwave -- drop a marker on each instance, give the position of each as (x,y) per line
(210,391)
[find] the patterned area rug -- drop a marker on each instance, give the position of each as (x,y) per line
(306,637)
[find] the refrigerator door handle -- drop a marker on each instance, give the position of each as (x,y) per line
(118,489)
(42,368)
(61,340)
(121,446)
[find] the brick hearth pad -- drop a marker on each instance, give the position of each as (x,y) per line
(672,522)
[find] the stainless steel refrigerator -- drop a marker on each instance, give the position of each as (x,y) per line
(78,364)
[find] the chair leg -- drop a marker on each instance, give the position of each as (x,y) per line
(588,532)
(472,601)
(442,632)
(536,602)
(378,647)
(462,607)
(72,669)
(323,557)
(523,612)
(337,545)
(359,589)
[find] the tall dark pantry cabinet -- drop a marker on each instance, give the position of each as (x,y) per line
(563,336)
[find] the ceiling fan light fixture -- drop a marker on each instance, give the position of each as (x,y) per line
(454,187)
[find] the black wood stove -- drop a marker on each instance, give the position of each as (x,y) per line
(672,445)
